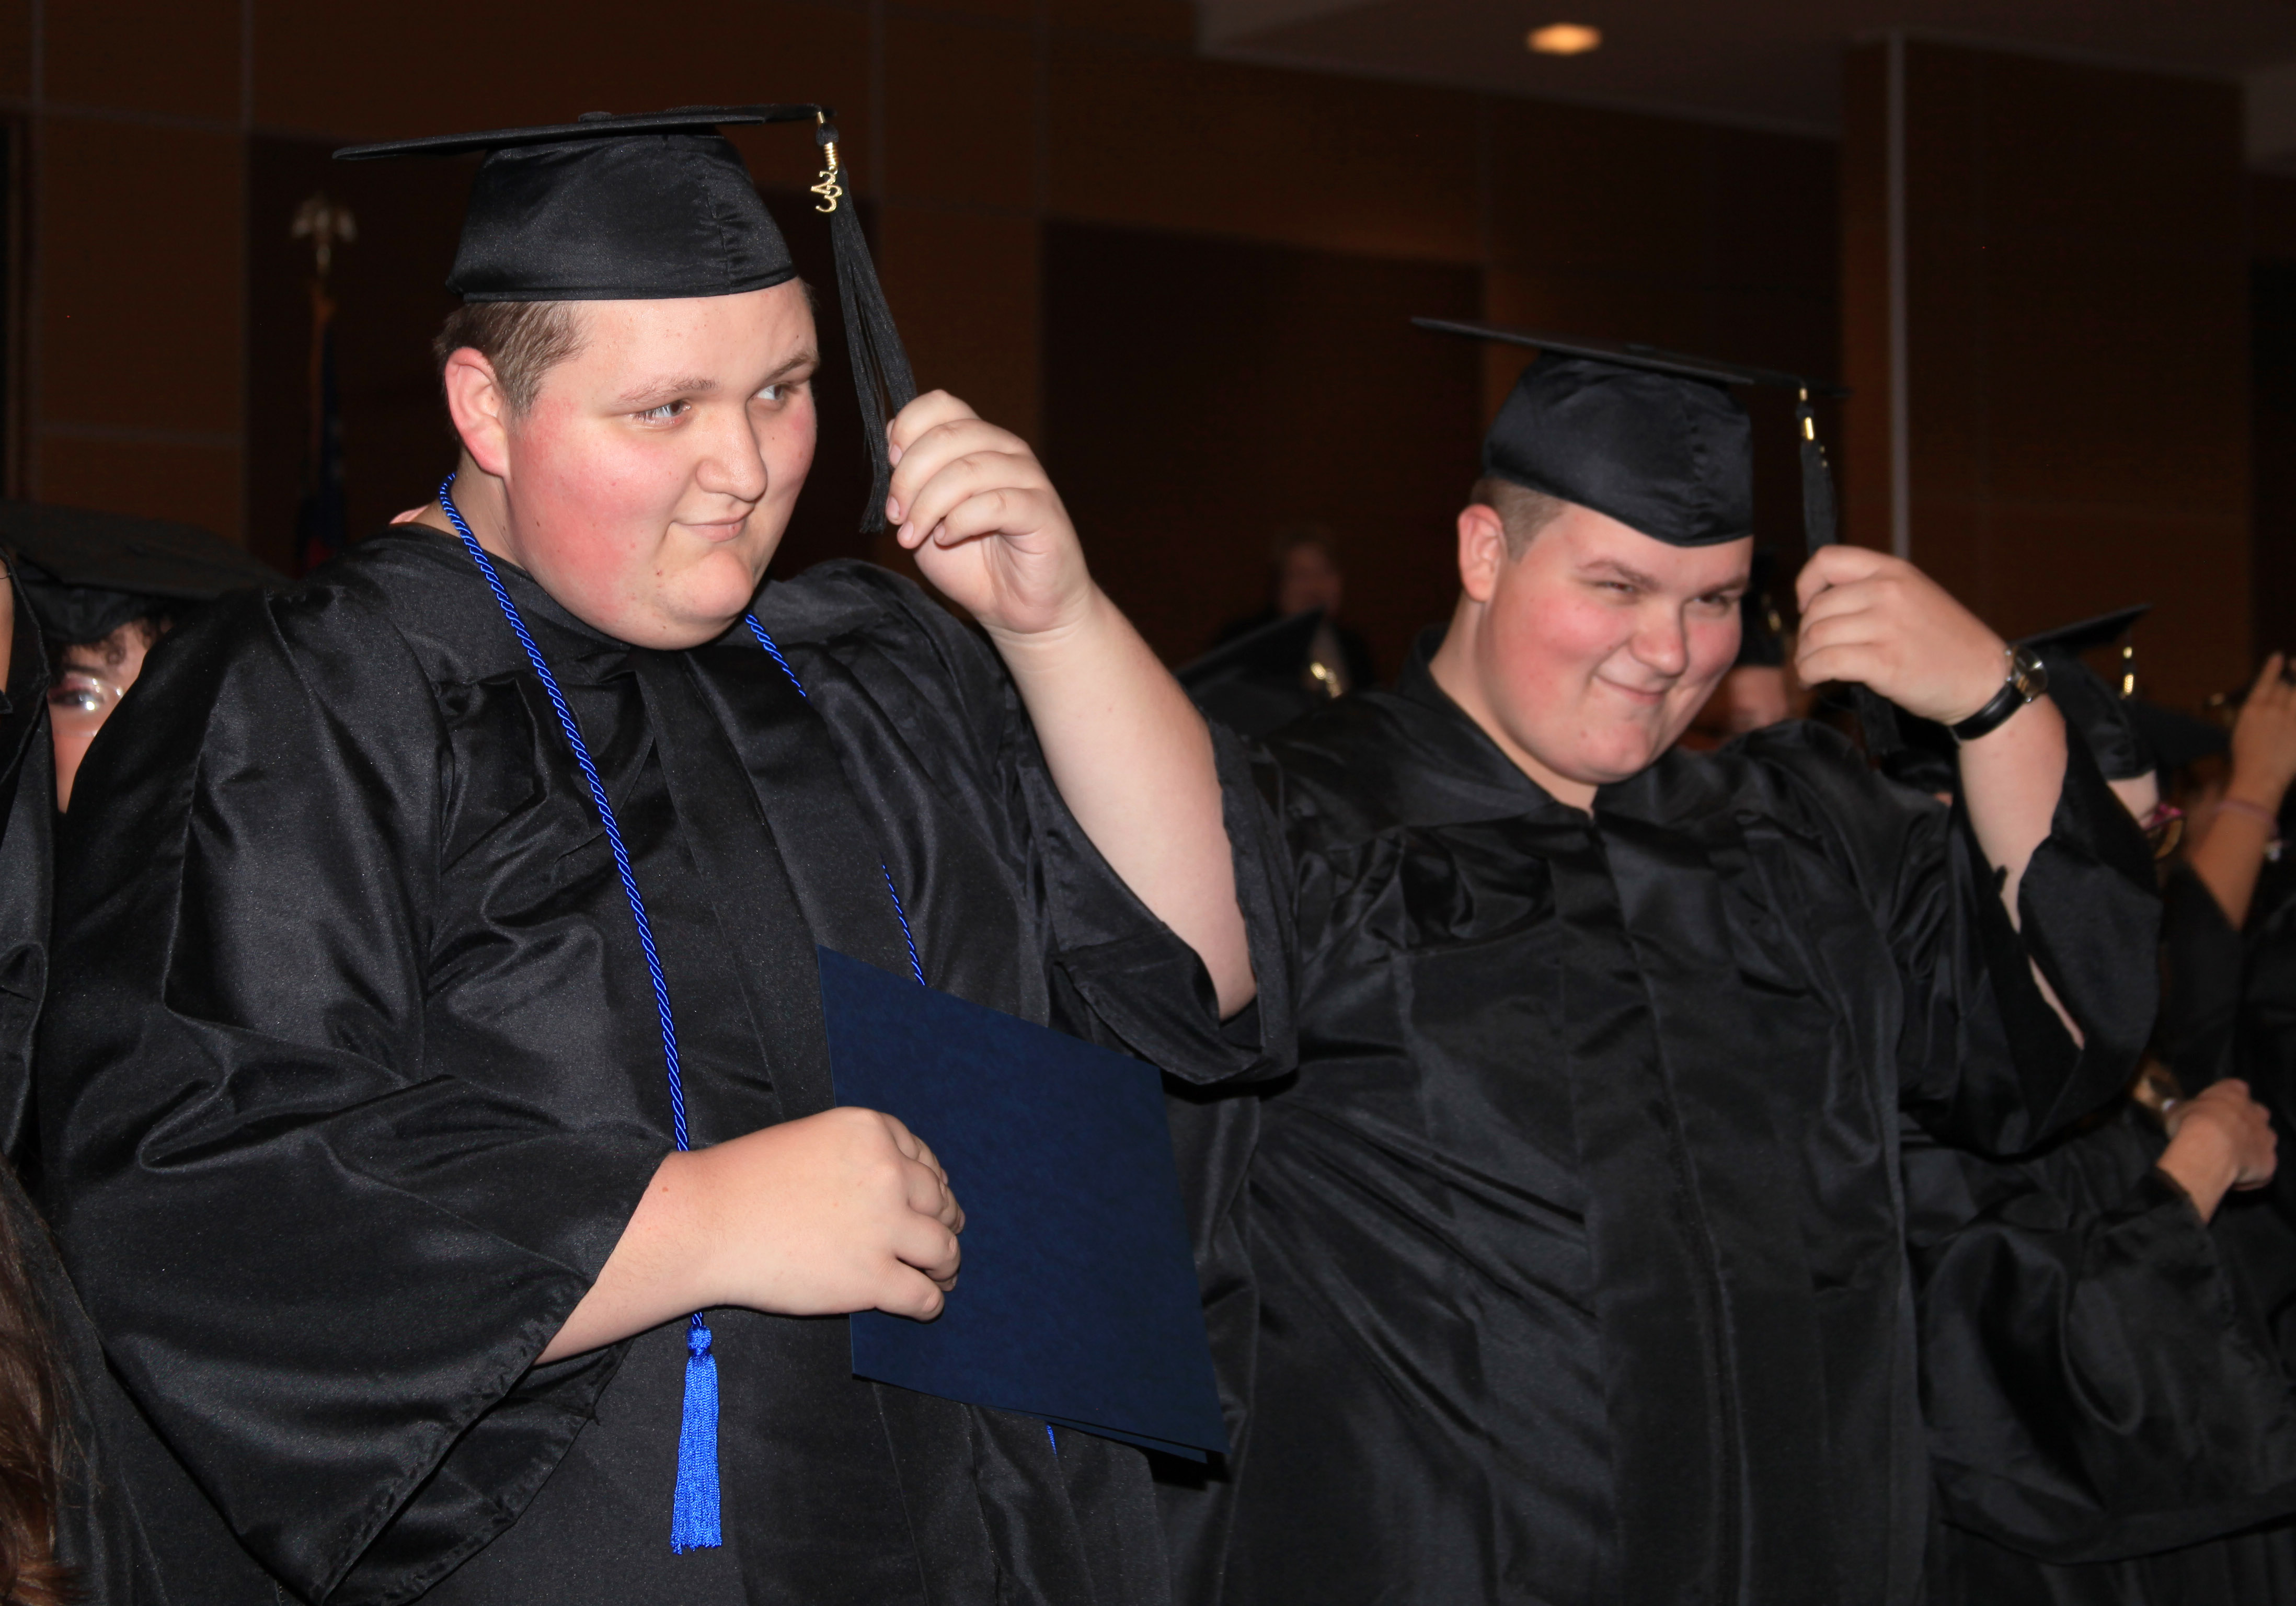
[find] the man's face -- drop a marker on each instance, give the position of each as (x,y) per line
(1308,580)
(1598,645)
(649,483)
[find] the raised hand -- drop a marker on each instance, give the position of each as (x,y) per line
(1877,620)
(2264,739)
(989,530)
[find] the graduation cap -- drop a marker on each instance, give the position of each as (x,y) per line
(1258,681)
(2147,735)
(659,206)
(1654,439)
(86,573)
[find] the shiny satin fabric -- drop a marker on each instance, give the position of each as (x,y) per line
(2110,1419)
(1569,1269)
(354,1079)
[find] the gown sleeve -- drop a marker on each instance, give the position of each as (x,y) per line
(322,1260)
(2202,965)
(2095,1383)
(1120,976)
(1983,1059)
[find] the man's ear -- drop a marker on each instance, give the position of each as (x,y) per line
(476,402)
(1483,550)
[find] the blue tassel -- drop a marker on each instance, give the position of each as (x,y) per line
(693,1520)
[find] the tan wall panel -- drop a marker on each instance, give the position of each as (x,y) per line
(965,289)
(960,122)
(1574,188)
(16,47)
(199,485)
(387,69)
(119,346)
(1862,456)
(1143,138)
(1172,21)
(179,58)
(2272,217)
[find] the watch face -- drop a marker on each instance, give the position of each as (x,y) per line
(2028,673)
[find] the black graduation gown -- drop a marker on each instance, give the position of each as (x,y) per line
(129,1523)
(352,1078)
(2110,1421)
(1570,1268)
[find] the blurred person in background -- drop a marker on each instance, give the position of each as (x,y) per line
(2108,1404)
(104,588)
(1760,690)
(92,1506)
(1305,575)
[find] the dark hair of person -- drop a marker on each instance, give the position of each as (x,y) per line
(31,1440)
(1522,512)
(523,339)
(113,652)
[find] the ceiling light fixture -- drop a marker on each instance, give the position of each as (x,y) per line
(1564,39)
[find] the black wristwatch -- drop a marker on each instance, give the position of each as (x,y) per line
(2028,677)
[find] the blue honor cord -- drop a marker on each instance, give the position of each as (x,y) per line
(693,1519)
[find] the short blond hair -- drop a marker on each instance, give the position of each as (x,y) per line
(1522,512)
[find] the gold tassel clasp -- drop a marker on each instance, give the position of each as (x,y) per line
(830,191)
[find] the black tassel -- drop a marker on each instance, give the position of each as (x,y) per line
(1877,717)
(881,380)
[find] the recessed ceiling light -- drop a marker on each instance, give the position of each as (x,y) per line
(1564,39)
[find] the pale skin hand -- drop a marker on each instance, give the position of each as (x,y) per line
(2230,853)
(2219,1140)
(841,1211)
(1879,622)
(1129,751)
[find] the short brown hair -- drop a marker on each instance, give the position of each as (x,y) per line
(1522,512)
(523,339)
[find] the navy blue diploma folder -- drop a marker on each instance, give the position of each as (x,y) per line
(1078,1298)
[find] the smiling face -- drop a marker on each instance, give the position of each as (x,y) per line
(648,484)
(1585,657)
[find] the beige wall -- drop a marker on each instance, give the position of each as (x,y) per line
(2076,263)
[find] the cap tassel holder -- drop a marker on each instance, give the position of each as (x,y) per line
(1877,719)
(881,380)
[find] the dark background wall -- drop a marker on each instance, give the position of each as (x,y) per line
(1184,280)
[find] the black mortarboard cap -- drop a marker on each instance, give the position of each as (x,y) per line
(2099,712)
(86,573)
(1258,682)
(655,206)
(1654,438)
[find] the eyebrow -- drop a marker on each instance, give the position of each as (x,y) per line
(663,390)
(1617,570)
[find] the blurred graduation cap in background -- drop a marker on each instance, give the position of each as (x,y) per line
(1263,679)
(659,206)
(1654,439)
(86,573)
(2127,735)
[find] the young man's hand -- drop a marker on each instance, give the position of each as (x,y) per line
(989,530)
(841,1211)
(1869,617)
(2220,1139)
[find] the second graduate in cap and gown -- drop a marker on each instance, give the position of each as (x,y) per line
(431,906)
(1571,1266)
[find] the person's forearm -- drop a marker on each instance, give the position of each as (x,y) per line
(2011,780)
(1133,760)
(656,1272)
(2229,855)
